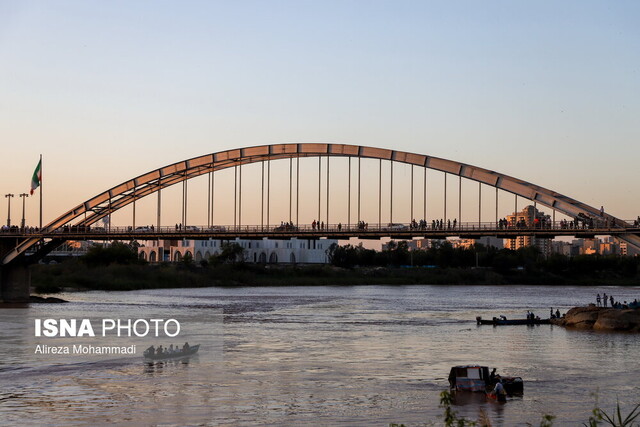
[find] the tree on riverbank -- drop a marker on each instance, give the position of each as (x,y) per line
(526,260)
(115,253)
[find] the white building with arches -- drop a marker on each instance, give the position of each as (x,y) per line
(265,251)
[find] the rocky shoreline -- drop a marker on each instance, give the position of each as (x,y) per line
(601,319)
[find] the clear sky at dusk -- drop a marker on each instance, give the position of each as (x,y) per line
(544,91)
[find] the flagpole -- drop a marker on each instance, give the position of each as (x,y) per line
(40,194)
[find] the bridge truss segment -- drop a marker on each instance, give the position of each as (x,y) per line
(128,192)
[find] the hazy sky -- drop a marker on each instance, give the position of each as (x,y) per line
(545,91)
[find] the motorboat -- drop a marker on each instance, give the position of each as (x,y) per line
(502,321)
(171,355)
(478,379)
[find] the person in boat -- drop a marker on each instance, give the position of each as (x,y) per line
(503,317)
(151,351)
(498,391)
(185,347)
(171,348)
(558,313)
(492,377)
(160,349)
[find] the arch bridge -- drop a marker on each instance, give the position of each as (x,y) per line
(19,247)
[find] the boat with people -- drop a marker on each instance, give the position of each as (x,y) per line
(477,378)
(152,353)
(501,321)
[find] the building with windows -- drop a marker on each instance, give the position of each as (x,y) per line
(528,217)
(293,251)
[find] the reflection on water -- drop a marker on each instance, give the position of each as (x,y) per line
(325,355)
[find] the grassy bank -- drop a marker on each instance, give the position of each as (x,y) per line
(79,275)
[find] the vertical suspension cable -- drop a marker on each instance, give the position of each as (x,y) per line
(349,197)
(444,220)
(359,164)
(290,187)
(213,195)
(209,200)
(240,195)
(319,185)
(424,198)
(268,190)
(479,204)
(380,194)
(411,219)
(159,206)
(391,194)
(496,207)
(327,223)
(297,191)
(134,209)
(235,197)
(262,197)
(459,200)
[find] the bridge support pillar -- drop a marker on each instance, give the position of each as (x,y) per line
(15,281)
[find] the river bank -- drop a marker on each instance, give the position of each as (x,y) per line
(80,276)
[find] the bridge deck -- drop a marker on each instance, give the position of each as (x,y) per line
(398,231)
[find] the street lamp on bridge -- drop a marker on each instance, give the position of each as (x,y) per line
(24,196)
(9,196)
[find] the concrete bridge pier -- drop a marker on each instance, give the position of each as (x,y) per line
(15,281)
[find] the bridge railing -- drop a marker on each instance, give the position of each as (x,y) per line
(452,227)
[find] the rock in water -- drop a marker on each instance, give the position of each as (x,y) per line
(618,320)
(601,319)
(582,317)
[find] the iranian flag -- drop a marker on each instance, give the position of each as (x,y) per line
(36,179)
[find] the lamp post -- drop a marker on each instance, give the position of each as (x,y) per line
(24,198)
(9,196)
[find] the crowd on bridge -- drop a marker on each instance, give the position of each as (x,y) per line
(580,222)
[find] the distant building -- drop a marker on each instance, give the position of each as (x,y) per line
(529,216)
(600,246)
(560,247)
(415,245)
(263,251)
(487,241)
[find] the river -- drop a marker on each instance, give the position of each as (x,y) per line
(343,355)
